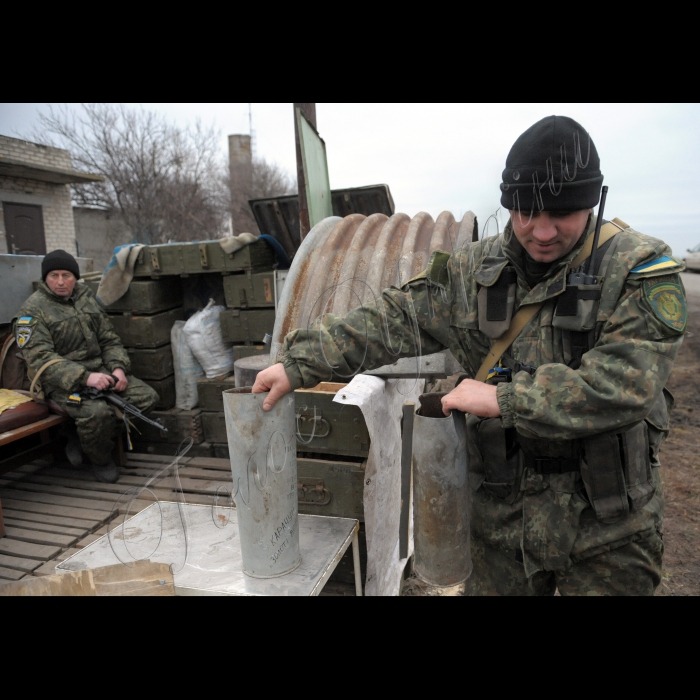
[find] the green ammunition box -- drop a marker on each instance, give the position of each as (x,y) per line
(246,326)
(250,291)
(165,389)
(214,425)
(220,451)
(146,296)
(180,425)
(151,363)
(196,258)
(324,487)
(241,351)
(210,390)
(327,427)
(146,331)
(169,448)
(329,487)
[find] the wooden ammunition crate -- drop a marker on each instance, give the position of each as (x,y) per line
(146,331)
(166,391)
(324,487)
(241,351)
(180,426)
(249,290)
(151,363)
(210,390)
(214,426)
(327,427)
(246,325)
(169,448)
(146,296)
(197,258)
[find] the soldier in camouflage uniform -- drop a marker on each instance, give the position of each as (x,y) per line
(62,320)
(563,455)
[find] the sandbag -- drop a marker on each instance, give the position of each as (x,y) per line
(203,332)
(187,370)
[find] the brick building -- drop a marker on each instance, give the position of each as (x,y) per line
(36,212)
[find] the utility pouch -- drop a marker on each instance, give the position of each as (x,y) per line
(494,455)
(577,307)
(496,304)
(616,471)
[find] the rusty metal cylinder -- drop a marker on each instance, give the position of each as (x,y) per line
(262,446)
(442,551)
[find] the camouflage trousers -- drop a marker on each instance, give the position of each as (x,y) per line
(546,537)
(96,422)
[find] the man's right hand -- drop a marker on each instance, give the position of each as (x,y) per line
(100,381)
(273,379)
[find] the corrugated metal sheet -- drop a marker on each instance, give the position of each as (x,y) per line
(343,263)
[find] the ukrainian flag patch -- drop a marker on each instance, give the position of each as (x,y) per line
(24,320)
(664,263)
(667,300)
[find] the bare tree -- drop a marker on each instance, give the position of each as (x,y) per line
(267,180)
(168,182)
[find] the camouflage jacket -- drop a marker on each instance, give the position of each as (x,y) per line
(616,385)
(76,329)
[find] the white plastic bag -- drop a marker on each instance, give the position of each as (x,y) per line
(203,333)
(187,370)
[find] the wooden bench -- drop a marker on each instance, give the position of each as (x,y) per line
(47,444)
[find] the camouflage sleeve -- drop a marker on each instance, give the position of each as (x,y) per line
(402,322)
(619,379)
(37,348)
(113,353)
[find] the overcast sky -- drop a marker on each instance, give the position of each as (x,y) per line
(438,157)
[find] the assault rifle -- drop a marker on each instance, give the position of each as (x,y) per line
(109,395)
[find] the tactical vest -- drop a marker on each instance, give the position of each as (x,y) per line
(615,467)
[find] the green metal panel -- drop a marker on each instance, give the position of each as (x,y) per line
(146,331)
(151,363)
(214,425)
(196,258)
(146,296)
(318,188)
(326,427)
(210,390)
(250,290)
(165,388)
(246,326)
(180,426)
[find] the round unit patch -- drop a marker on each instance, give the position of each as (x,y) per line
(667,300)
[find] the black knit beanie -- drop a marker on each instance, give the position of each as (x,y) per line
(59,260)
(553,166)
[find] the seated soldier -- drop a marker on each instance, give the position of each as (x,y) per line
(63,321)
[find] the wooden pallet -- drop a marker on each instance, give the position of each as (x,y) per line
(51,512)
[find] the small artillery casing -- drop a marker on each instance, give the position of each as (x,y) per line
(262,446)
(442,553)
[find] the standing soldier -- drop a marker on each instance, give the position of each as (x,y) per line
(567,363)
(68,339)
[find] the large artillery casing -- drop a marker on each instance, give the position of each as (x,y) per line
(264,469)
(441,500)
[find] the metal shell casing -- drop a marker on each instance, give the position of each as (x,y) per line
(262,446)
(441,533)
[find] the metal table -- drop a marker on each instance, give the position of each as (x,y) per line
(201,543)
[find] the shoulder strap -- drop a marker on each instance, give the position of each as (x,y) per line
(526,313)
(3,353)
(32,389)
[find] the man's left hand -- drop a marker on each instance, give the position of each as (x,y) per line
(473,397)
(122,381)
